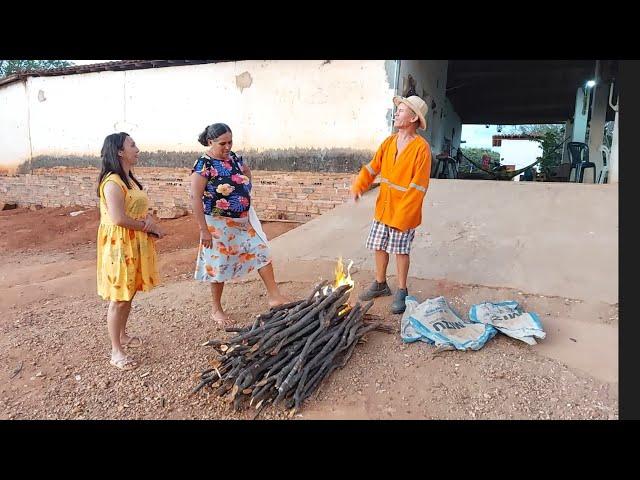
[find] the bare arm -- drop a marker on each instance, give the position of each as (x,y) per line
(114,197)
(198,184)
(247,171)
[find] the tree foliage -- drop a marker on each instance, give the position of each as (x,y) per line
(550,137)
(9,67)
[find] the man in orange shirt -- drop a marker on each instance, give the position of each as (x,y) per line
(403,162)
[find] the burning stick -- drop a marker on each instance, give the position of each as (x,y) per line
(287,352)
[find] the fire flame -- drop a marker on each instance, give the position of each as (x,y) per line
(340,277)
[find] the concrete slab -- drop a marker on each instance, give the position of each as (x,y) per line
(580,334)
(555,239)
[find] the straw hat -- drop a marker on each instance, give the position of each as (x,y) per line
(415,103)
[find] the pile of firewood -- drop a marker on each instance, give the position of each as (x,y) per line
(286,353)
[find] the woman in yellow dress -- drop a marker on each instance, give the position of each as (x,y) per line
(126,250)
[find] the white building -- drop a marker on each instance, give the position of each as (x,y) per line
(282,110)
(288,114)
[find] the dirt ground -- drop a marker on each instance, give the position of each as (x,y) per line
(54,347)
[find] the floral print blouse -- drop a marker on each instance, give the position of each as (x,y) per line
(227,193)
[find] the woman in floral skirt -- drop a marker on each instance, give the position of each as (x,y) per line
(230,246)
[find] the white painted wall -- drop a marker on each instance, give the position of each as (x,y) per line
(431,79)
(289,104)
(77,112)
(580,117)
(613,159)
(14,125)
(599,108)
(451,123)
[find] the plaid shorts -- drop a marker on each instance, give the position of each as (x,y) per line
(389,239)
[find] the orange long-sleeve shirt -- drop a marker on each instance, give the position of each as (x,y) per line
(403,181)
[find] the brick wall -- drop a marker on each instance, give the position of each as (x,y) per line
(297,196)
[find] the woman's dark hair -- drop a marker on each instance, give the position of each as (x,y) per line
(110,162)
(212,132)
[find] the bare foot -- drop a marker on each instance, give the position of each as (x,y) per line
(122,362)
(220,318)
(132,342)
(278,300)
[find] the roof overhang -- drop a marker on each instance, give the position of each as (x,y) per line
(512,92)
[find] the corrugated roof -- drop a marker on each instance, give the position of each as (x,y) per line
(101,67)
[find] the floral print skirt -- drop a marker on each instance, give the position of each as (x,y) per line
(236,250)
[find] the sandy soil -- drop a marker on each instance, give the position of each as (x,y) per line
(54,347)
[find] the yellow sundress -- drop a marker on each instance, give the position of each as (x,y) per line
(126,258)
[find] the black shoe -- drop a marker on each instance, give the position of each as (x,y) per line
(375,290)
(398,305)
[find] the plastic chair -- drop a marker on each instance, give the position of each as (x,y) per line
(579,157)
(604,174)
